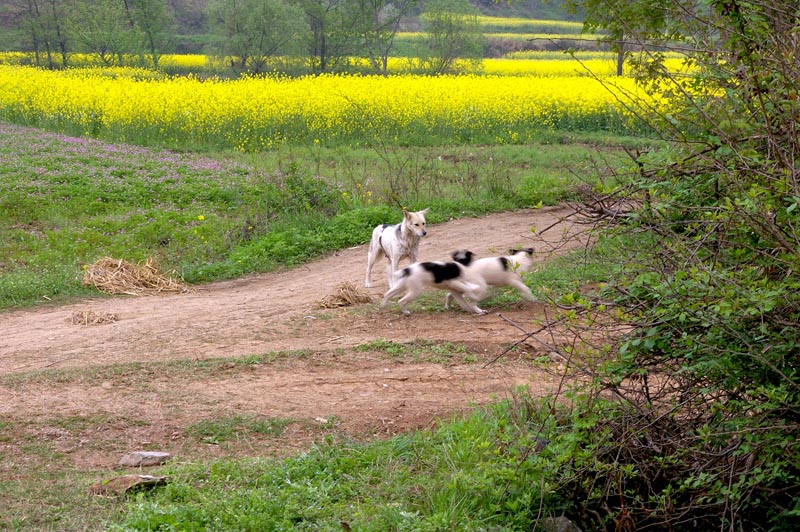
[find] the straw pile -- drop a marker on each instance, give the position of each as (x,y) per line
(116,276)
(90,317)
(346,294)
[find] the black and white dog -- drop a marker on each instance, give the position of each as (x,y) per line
(501,271)
(455,276)
(396,242)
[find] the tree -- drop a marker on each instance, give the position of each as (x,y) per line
(152,22)
(334,39)
(707,418)
(43,22)
(453,32)
(254,32)
(101,27)
(378,24)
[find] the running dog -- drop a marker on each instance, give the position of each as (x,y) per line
(454,276)
(396,242)
(501,271)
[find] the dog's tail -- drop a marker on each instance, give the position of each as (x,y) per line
(399,275)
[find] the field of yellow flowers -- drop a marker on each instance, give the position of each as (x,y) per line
(251,114)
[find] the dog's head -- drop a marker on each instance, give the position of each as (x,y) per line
(522,259)
(463,257)
(415,222)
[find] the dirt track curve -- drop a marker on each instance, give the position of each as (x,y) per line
(269,313)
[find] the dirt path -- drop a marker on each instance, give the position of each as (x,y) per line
(363,390)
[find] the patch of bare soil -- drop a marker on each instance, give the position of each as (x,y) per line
(74,385)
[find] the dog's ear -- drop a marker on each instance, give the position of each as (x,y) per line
(514,251)
(463,257)
(423,211)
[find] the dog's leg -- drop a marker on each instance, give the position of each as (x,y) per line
(474,290)
(410,290)
(394,264)
(466,304)
(392,292)
(373,255)
(412,294)
(447,299)
(459,289)
(370,262)
(523,289)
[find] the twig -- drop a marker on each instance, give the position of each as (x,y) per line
(526,337)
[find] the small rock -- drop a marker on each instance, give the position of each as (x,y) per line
(143,458)
(556,524)
(120,485)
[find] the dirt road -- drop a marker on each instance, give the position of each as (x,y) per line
(322,371)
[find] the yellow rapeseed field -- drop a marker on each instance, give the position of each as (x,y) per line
(261,113)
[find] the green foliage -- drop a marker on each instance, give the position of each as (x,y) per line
(255,35)
(707,426)
(378,24)
(101,28)
(453,32)
(153,22)
(248,34)
(471,474)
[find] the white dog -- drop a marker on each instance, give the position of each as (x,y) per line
(453,276)
(501,271)
(396,242)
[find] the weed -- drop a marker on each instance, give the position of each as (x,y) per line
(217,430)
(420,350)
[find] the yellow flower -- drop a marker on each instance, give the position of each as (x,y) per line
(252,114)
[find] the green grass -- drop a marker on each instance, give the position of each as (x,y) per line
(46,498)
(68,202)
(468,475)
(218,429)
(420,349)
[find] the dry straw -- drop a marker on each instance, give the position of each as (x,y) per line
(117,276)
(90,317)
(346,294)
